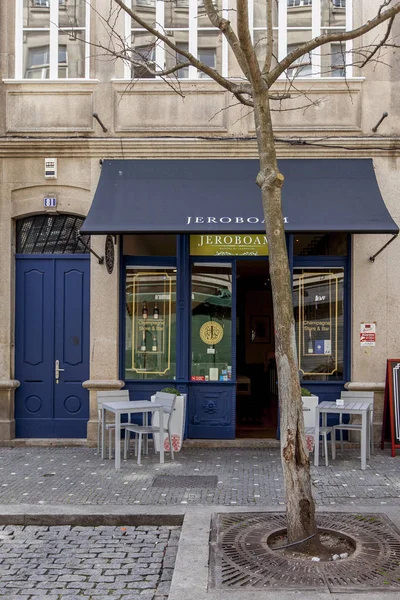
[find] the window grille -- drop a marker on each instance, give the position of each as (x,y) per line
(50,234)
(339,3)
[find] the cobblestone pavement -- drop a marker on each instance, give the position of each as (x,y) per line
(87,563)
(246,477)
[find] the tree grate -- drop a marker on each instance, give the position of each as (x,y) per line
(185,481)
(241,559)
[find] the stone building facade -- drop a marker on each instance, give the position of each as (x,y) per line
(54,78)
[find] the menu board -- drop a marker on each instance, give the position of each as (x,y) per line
(391,409)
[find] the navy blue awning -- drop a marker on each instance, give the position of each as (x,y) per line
(195,196)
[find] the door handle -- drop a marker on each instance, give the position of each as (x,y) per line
(57,371)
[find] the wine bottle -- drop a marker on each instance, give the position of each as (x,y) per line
(310,344)
(156,312)
(143,343)
(154,346)
(145,312)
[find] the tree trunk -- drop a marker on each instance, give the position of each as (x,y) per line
(300,508)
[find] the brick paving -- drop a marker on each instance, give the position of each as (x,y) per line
(88,563)
(246,476)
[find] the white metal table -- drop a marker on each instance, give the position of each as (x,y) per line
(129,408)
(351,408)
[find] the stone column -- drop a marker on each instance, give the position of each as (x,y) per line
(104,332)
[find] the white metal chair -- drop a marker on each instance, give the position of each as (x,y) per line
(309,406)
(168,404)
(355,396)
(109,397)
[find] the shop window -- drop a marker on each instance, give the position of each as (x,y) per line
(211,322)
(319,317)
(51,234)
(328,244)
(150,317)
(52,39)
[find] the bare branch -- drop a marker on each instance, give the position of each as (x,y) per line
(380,44)
(327,38)
(280,97)
(270,39)
(226,28)
(247,46)
(243,100)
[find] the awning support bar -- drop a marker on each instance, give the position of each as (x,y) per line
(372,258)
(99,258)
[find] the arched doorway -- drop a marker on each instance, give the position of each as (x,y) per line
(51,327)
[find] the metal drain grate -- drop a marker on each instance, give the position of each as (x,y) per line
(240,557)
(185,481)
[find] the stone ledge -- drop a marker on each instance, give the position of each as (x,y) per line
(365,386)
(103,384)
(45,442)
(9,384)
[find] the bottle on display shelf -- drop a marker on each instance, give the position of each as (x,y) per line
(310,344)
(145,311)
(156,312)
(154,346)
(143,347)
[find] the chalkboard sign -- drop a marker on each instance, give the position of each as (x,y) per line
(391,408)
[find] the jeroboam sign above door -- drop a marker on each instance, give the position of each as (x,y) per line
(228,245)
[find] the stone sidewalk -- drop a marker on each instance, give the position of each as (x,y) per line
(87,562)
(242,477)
(45,490)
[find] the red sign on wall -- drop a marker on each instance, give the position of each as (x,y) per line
(367,334)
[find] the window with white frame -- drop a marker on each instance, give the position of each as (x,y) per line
(302,20)
(52,39)
(186,24)
(294,22)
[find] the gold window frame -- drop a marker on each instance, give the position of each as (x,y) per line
(138,323)
(333,279)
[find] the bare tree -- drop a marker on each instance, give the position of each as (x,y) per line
(255,89)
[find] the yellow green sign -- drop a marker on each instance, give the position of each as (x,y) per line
(229,245)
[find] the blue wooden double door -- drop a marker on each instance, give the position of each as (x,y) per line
(52,346)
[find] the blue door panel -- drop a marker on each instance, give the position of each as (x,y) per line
(211,411)
(71,313)
(52,323)
(27,428)
(34,291)
(34,324)
(72,347)
(63,428)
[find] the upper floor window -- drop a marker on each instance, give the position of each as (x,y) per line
(186,23)
(298,21)
(294,22)
(52,39)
